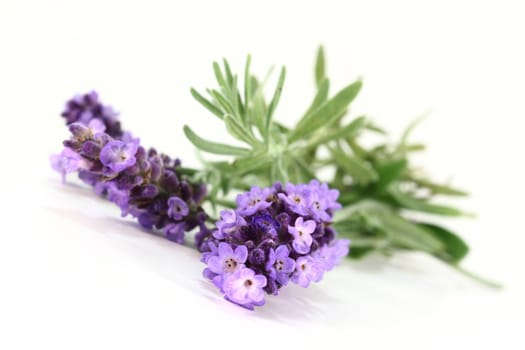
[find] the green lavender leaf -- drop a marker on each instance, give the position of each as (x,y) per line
(237,130)
(360,171)
(222,101)
(439,189)
(389,172)
(401,147)
(247,82)
(325,114)
(219,76)
(228,72)
(320,69)
(320,97)
(213,147)
(417,204)
(206,103)
(274,102)
(455,248)
(251,163)
(406,234)
(350,130)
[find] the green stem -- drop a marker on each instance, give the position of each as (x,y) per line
(475,277)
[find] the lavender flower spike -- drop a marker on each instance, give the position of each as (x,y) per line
(143,183)
(276,235)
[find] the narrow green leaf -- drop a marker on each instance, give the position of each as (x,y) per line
(437,188)
(247,82)
(415,147)
(320,70)
(320,97)
(350,130)
(327,113)
(389,172)
(222,101)
(359,252)
(373,127)
(278,172)
(307,173)
(357,149)
(238,131)
(253,162)
(455,248)
(218,75)
(274,102)
(206,103)
(401,147)
(228,72)
(359,170)
(406,234)
(213,147)
(417,204)
(409,129)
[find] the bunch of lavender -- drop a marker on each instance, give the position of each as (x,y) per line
(143,183)
(275,235)
(378,184)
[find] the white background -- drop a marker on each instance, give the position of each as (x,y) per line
(74,275)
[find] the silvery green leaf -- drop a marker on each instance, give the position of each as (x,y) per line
(222,101)
(410,202)
(320,97)
(213,147)
(437,188)
(228,72)
(274,102)
(350,130)
(320,69)
(389,171)
(206,103)
(325,114)
(218,75)
(404,233)
(239,131)
(252,163)
(358,169)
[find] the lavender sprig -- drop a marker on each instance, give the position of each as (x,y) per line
(275,235)
(378,184)
(143,183)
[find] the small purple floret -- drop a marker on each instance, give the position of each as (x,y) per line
(118,155)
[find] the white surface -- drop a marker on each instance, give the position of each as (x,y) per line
(74,275)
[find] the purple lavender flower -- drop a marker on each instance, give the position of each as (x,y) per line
(249,203)
(85,108)
(68,161)
(118,196)
(229,223)
(302,233)
(266,224)
(143,183)
(307,270)
(286,234)
(228,260)
(330,255)
(118,155)
(297,197)
(245,288)
(175,232)
(177,208)
(280,265)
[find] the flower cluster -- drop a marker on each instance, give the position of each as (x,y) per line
(85,108)
(143,183)
(275,235)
